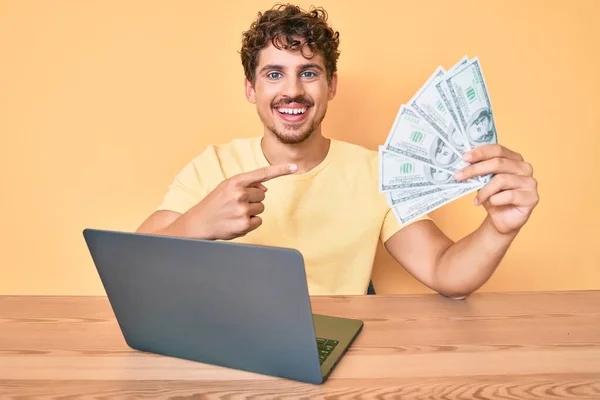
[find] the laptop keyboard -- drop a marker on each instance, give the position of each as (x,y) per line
(325,347)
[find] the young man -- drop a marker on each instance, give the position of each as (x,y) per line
(295,188)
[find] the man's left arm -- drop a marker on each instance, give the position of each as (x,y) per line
(458,269)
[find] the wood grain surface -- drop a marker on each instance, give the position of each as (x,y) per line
(490,346)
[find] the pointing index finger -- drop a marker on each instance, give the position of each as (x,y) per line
(265,174)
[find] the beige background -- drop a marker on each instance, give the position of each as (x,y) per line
(101,103)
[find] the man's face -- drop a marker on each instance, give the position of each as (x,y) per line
(291,93)
(479,129)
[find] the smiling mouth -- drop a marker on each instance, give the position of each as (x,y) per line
(292,113)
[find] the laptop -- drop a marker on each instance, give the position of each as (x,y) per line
(233,305)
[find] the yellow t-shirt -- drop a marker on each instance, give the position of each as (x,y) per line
(334,214)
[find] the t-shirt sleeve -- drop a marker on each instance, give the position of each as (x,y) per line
(188,187)
(391,225)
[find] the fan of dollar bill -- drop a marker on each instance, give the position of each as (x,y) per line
(449,115)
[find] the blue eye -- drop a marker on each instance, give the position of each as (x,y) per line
(274,75)
(309,74)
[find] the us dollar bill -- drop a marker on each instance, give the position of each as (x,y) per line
(428,103)
(442,88)
(410,210)
(458,65)
(411,136)
(400,172)
(402,195)
(469,95)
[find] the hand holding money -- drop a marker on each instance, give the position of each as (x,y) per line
(443,145)
(511,195)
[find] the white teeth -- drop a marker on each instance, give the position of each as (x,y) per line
(292,111)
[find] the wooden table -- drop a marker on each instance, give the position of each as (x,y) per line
(509,346)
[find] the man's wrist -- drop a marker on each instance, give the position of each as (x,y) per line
(181,228)
(495,237)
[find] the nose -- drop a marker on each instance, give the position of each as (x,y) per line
(293,87)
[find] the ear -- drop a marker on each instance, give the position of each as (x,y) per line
(250,92)
(333,86)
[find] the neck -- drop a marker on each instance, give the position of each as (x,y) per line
(305,155)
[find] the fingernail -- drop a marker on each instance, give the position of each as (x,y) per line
(475,201)
(459,175)
(292,167)
(467,156)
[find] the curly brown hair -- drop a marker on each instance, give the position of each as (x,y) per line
(280,25)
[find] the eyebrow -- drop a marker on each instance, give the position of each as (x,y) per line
(299,68)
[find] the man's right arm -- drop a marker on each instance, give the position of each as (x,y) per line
(161,223)
(229,211)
